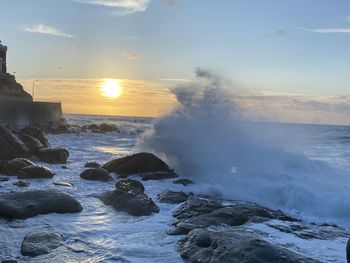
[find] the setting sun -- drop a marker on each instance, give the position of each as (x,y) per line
(111,88)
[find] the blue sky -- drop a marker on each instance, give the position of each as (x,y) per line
(288,46)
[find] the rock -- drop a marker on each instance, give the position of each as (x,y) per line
(137,164)
(92,165)
(63,184)
(129,196)
(21,183)
(32,144)
(97,174)
(11,145)
(102,128)
(40,243)
(192,215)
(183,181)
(53,155)
(348,251)
(14,166)
(158,176)
(35,171)
(9,261)
(22,205)
(172,197)
(235,246)
(37,134)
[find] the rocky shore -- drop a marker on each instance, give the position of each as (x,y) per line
(209,228)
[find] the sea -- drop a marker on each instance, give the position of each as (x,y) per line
(305,171)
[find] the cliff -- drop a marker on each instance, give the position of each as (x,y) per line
(11,89)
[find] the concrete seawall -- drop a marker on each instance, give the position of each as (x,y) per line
(17,114)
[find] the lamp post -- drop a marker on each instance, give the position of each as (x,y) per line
(33,91)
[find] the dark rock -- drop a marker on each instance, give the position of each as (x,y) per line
(172,197)
(22,205)
(21,183)
(183,181)
(235,246)
(63,184)
(11,145)
(53,155)
(92,165)
(32,144)
(97,174)
(348,251)
(14,166)
(158,176)
(102,128)
(129,196)
(137,164)
(194,213)
(9,261)
(35,171)
(40,243)
(37,134)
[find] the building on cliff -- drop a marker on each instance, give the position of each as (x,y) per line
(17,107)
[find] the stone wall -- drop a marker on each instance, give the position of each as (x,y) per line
(20,113)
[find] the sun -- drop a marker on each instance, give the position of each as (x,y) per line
(111,88)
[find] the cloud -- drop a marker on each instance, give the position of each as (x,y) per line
(45,29)
(328,30)
(130,55)
(121,7)
(278,33)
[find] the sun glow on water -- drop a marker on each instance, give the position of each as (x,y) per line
(111,88)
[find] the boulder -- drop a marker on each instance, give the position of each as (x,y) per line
(129,196)
(92,165)
(172,197)
(14,166)
(96,174)
(34,145)
(25,204)
(53,155)
(37,134)
(40,243)
(158,176)
(21,183)
(183,181)
(234,246)
(137,164)
(11,145)
(102,128)
(35,171)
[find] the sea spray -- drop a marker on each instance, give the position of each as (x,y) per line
(209,138)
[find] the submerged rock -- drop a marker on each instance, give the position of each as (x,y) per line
(172,197)
(158,176)
(96,174)
(35,171)
(92,165)
(183,181)
(137,164)
(22,205)
(234,246)
(129,196)
(14,166)
(21,183)
(40,243)
(53,155)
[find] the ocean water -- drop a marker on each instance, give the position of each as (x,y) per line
(105,235)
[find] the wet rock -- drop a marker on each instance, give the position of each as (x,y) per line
(158,176)
(137,164)
(235,246)
(53,155)
(92,165)
(102,128)
(37,134)
(25,204)
(35,171)
(183,181)
(32,144)
(9,261)
(21,183)
(129,196)
(63,184)
(96,174)
(14,166)
(348,251)
(172,197)
(11,145)
(192,215)
(40,243)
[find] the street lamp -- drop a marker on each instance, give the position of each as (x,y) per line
(33,91)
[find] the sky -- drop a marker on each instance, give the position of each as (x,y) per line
(293,47)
